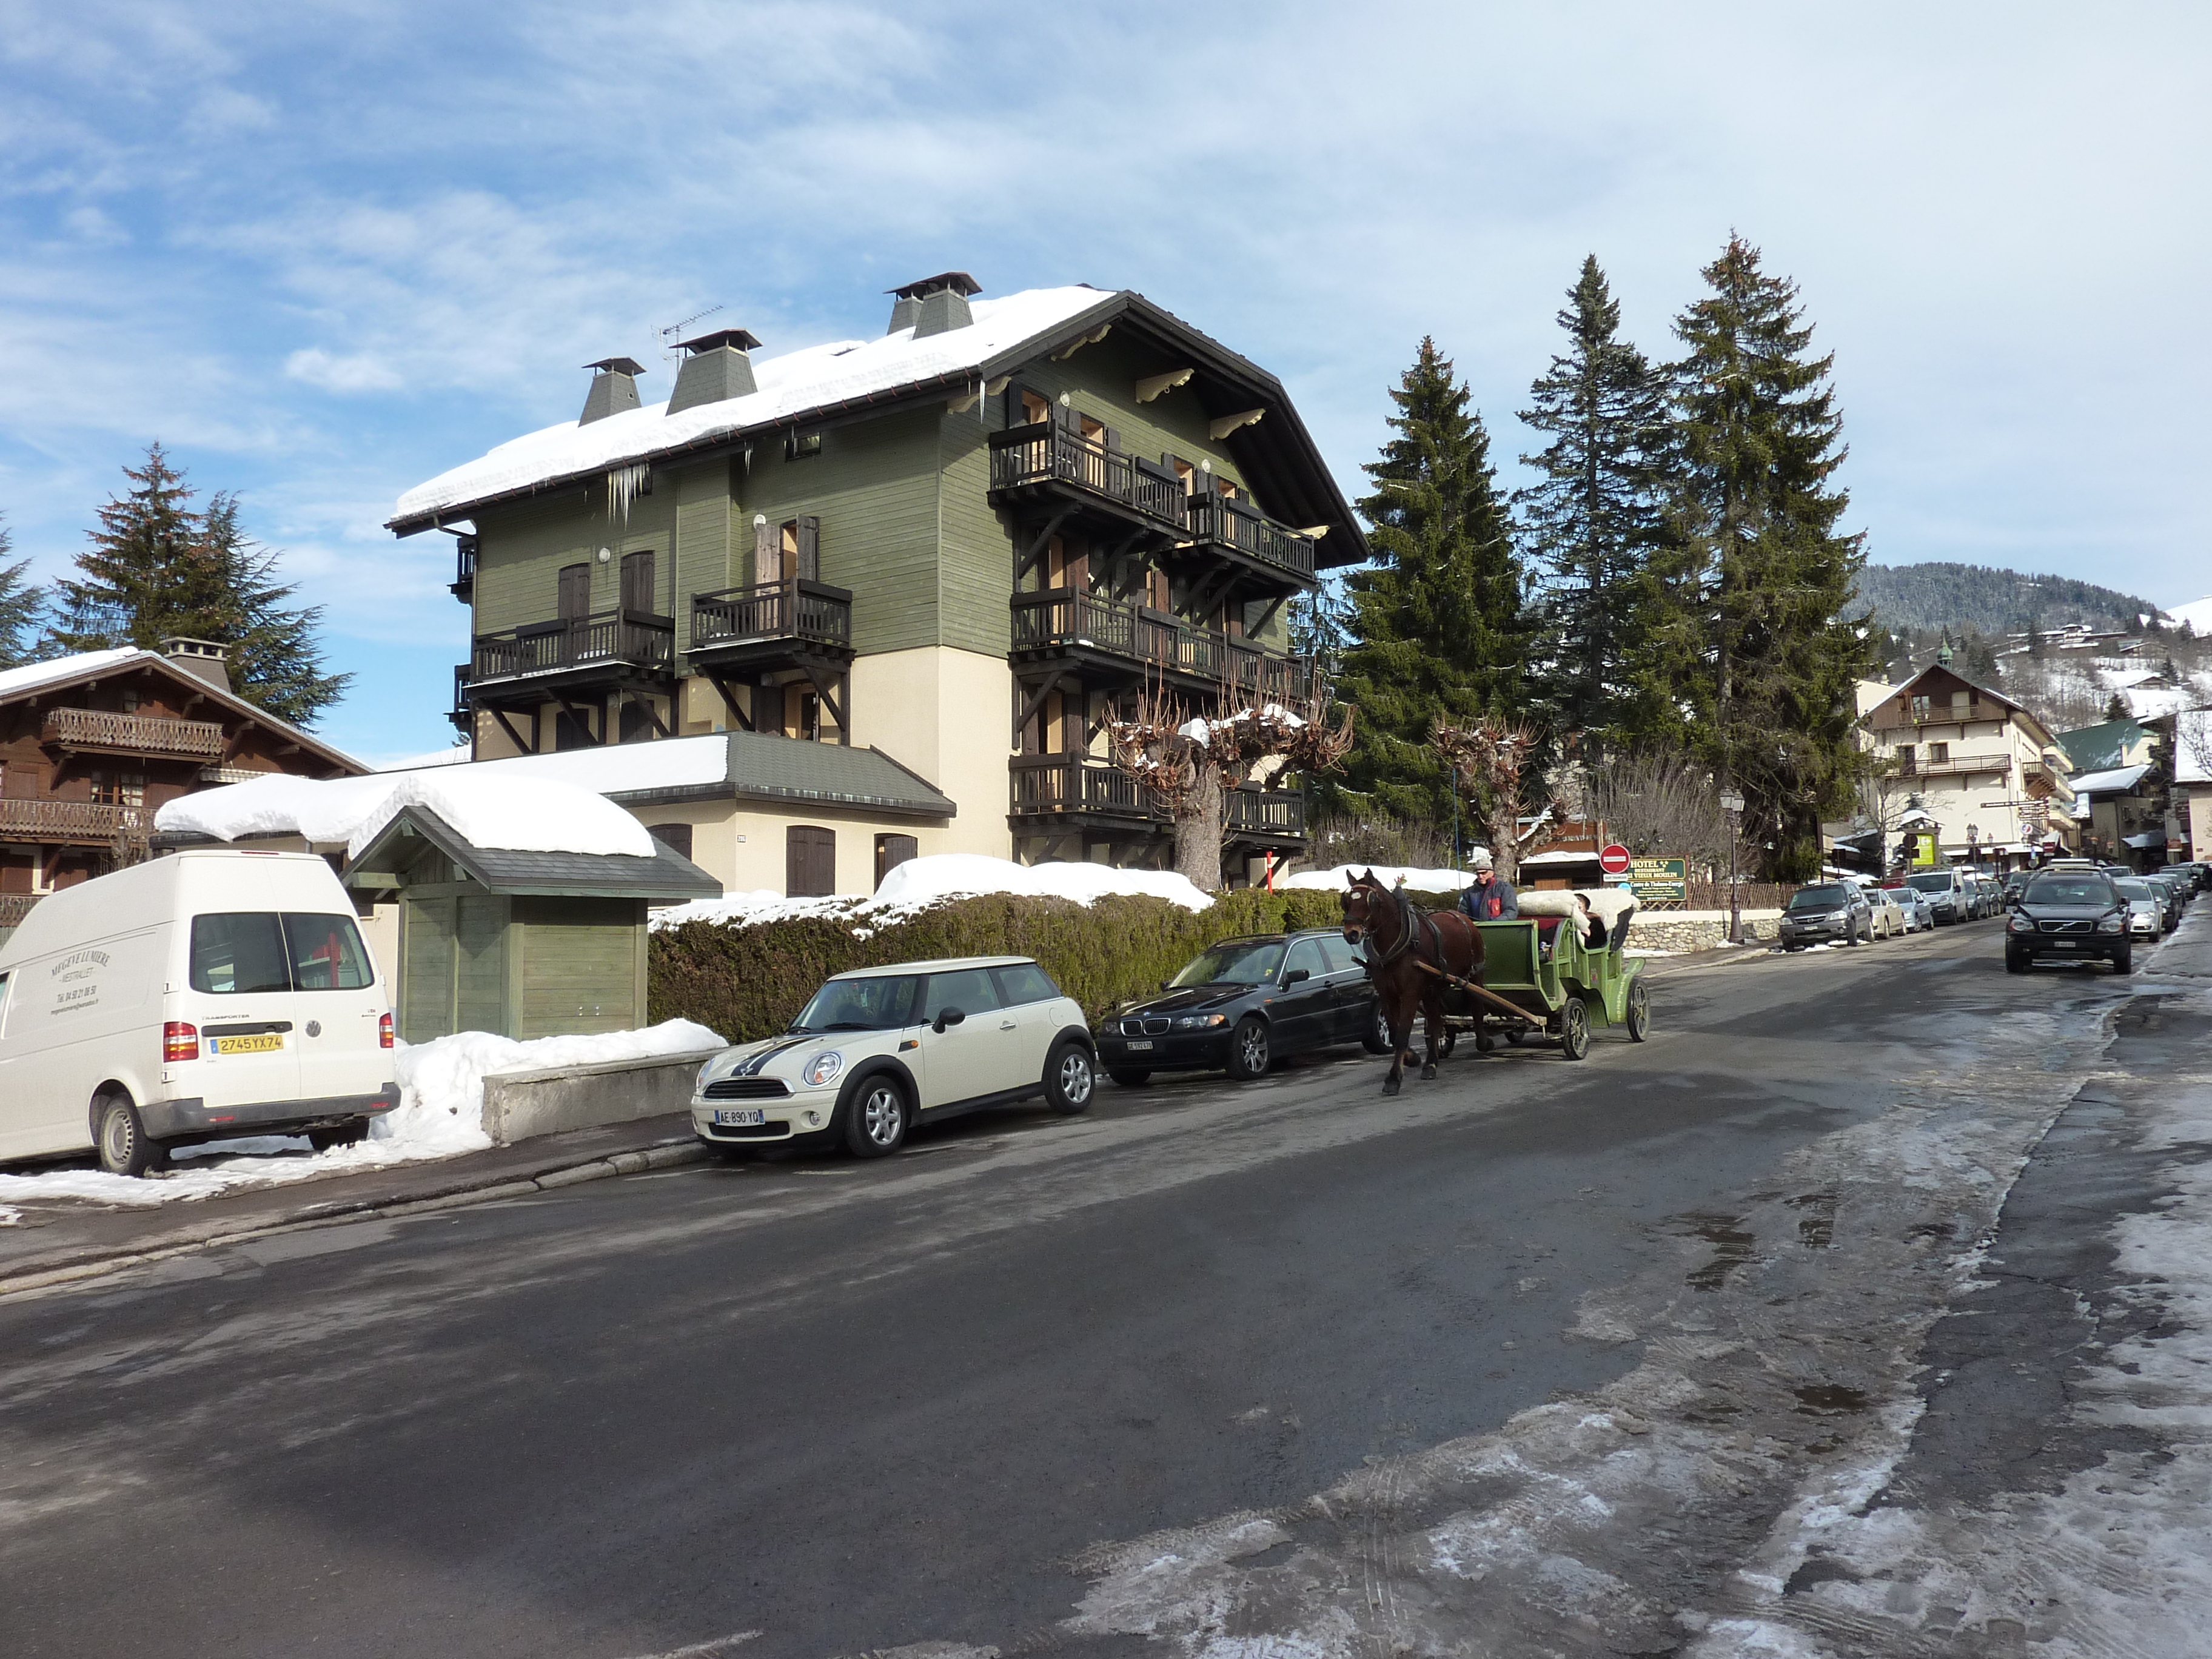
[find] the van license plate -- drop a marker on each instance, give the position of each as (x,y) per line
(266,1043)
(741,1116)
(1135,1047)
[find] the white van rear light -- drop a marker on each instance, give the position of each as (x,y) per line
(384,1030)
(180,1040)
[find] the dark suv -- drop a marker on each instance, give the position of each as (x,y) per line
(2073,914)
(1244,1004)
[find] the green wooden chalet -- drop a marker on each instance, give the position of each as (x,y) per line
(966,543)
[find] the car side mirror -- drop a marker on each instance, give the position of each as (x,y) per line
(1167,985)
(1296,975)
(946,1017)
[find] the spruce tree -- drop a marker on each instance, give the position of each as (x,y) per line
(1744,656)
(1595,517)
(1438,624)
(22,607)
(157,568)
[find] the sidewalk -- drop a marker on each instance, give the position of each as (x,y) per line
(65,1240)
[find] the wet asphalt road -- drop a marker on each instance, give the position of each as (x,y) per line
(853,1406)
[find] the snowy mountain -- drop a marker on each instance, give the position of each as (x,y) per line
(2197,613)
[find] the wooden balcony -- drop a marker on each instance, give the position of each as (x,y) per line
(1969,766)
(1049,459)
(1219,523)
(606,648)
(1074,788)
(464,585)
(96,730)
(772,624)
(1265,812)
(76,823)
(14,906)
(1060,621)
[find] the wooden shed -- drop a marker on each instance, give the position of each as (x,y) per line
(524,945)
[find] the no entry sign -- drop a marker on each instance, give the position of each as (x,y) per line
(1614,861)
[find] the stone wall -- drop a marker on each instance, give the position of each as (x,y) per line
(1681,932)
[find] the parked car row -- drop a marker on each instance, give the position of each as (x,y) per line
(2077,910)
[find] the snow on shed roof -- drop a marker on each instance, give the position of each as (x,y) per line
(2117,781)
(790,387)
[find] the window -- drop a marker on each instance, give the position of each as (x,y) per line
(802,713)
(809,862)
(1186,473)
(970,990)
(119,788)
(1025,982)
(801,444)
(1034,409)
(892,851)
(1938,753)
(1905,758)
(1961,701)
(239,953)
(327,953)
(676,837)
(878,1003)
(1306,954)
(1342,958)
(1920,708)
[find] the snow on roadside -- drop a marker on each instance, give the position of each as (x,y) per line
(439,1114)
(920,883)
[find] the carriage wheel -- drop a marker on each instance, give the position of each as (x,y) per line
(1639,1010)
(1514,1033)
(1574,1029)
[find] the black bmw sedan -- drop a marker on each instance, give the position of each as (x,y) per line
(2068,914)
(1244,1004)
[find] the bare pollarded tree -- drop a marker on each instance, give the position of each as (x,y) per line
(1188,761)
(1491,757)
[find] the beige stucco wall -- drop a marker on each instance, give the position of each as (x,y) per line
(741,844)
(945,713)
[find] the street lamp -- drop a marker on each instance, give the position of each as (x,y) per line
(1732,804)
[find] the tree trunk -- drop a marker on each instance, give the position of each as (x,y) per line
(1198,830)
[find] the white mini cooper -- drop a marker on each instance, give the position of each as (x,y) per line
(878,1047)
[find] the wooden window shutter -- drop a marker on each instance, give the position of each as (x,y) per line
(676,837)
(768,552)
(892,851)
(810,549)
(1113,441)
(637,582)
(809,862)
(575,592)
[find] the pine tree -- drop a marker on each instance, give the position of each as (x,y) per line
(1744,658)
(22,607)
(157,568)
(1595,517)
(1439,627)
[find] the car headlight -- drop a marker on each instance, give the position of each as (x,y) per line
(2109,925)
(2020,924)
(824,1069)
(1200,1021)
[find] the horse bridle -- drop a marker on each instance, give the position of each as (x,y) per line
(1408,926)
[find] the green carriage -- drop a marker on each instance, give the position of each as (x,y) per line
(1563,987)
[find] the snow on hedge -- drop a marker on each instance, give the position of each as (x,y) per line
(522,814)
(439,1114)
(939,879)
(1418,880)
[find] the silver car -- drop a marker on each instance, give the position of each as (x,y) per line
(1918,915)
(2146,910)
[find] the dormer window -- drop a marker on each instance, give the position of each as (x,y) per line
(801,444)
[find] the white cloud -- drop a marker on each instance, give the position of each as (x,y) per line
(357,372)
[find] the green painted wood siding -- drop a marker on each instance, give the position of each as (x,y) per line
(521,549)
(582,964)
(1101,381)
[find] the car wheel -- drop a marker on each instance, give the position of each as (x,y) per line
(1249,1052)
(1574,1029)
(876,1118)
(2124,960)
(121,1138)
(1129,1078)
(1069,1081)
(1639,1010)
(1378,1040)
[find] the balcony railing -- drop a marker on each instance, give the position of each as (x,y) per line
(464,585)
(811,612)
(606,639)
(1049,453)
(1064,618)
(1045,785)
(69,820)
(133,734)
(1963,767)
(1265,811)
(14,906)
(1231,523)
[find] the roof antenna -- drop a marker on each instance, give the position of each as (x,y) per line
(674,331)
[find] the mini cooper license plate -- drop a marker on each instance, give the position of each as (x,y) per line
(266,1043)
(1135,1046)
(741,1116)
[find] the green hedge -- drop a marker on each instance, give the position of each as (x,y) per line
(748,982)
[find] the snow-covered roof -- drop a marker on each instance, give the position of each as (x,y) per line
(619,768)
(518,814)
(2117,781)
(459,755)
(791,387)
(34,674)
(1562,855)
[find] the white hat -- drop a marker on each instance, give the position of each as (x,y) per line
(1482,861)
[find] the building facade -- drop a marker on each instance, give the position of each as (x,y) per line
(91,746)
(1987,771)
(965,546)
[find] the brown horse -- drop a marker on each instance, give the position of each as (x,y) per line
(1399,939)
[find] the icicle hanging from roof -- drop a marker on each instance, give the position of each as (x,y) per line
(625,485)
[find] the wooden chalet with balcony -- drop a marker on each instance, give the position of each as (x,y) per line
(91,746)
(969,544)
(1989,774)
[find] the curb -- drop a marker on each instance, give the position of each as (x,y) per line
(668,1154)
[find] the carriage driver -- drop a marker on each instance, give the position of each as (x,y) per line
(1491,898)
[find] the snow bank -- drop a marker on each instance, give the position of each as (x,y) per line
(523,815)
(441,1113)
(459,755)
(1420,881)
(919,884)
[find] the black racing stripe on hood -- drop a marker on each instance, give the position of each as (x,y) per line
(751,1067)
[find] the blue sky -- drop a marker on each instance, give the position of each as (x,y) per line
(325,252)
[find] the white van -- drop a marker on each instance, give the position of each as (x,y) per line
(212,993)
